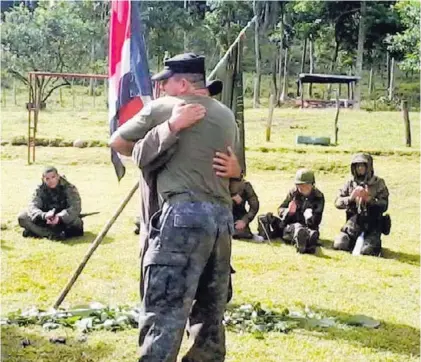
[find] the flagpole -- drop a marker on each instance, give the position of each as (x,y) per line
(230,49)
(126,200)
(94,246)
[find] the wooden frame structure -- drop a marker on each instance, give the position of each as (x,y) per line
(34,104)
(350,81)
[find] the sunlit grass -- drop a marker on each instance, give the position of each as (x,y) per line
(334,283)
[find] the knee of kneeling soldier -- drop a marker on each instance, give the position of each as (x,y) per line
(341,242)
(23,219)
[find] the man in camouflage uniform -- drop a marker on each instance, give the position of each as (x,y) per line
(299,216)
(188,251)
(365,198)
(157,147)
(54,211)
(242,192)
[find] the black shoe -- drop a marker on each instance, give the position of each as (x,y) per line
(301,241)
(28,234)
(58,236)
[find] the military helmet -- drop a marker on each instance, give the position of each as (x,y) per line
(360,158)
(304,176)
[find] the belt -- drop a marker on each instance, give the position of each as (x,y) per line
(194,197)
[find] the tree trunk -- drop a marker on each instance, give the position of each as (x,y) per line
(303,58)
(281,53)
(370,81)
(360,53)
(185,37)
(310,90)
(388,69)
(335,57)
(392,79)
(91,81)
(332,66)
(284,92)
(256,93)
(274,83)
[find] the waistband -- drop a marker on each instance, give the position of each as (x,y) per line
(195,197)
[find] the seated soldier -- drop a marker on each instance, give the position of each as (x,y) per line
(241,193)
(54,211)
(299,215)
(365,198)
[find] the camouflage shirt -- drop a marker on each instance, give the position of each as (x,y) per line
(247,194)
(64,199)
(376,187)
(315,201)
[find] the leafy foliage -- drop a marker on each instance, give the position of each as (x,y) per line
(245,318)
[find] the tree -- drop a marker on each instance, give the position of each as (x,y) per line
(47,39)
(407,41)
(360,51)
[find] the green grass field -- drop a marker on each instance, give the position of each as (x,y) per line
(333,283)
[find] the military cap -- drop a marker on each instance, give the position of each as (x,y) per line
(304,176)
(182,63)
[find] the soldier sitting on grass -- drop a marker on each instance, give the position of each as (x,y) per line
(365,198)
(54,211)
(299,216)
(242,194)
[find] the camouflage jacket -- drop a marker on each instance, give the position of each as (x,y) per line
(377,190)
(64,199)
(315,201)
(247,194)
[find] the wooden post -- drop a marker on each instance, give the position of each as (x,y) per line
(302,94)
(83,91)
(73,93)
(14,92)
(94,245)
(61,97)
(106,90)
(336,129)
(406,123)
(3,96)
(93,92)
(370,81)
(269,124)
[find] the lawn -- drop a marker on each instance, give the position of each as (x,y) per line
(335,284)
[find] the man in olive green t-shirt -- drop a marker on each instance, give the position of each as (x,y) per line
(190,238)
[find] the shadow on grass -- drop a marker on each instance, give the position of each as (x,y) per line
(19,344)
(5,247)
(88,237)
(326,243)
(319,253)
(397,338)
(413,259)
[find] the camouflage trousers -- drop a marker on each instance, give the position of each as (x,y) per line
(186,268)
(303,238)
(349,234)
(41,229)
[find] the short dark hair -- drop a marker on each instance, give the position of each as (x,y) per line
(49,169)
(196,79)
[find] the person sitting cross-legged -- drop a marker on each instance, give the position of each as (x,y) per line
(54,211)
